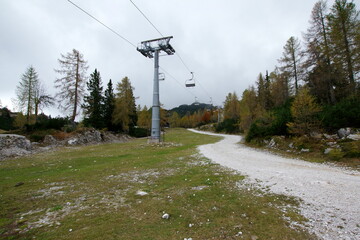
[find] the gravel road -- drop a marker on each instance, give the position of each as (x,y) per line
(330,195)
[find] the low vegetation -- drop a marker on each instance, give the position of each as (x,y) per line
(121,191)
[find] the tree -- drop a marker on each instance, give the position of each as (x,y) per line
(109,105)
(125,107)
(279,88)
(344,31)
(261,91)
(304,110)
(144,118)
(71,84)
(174,120)
(42,99)
(232,107)
(249,108)
(26,92)
(93,102)
(292,61)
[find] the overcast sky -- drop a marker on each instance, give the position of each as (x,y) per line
(225,43)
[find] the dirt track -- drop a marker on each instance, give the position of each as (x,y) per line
(331,195)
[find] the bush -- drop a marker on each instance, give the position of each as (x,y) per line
(272,124)
(351,149)
(228,126)
(139,132)
(6,122)
(336,154)
(346,113)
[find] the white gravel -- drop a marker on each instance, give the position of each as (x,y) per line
(331,195)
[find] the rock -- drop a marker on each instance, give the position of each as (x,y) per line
(303,150)
(13,140)
(327,151)
(272,143)
(141,193)
(291,145)
(50,140)
(73,141)
(344,132)
(316,135)
(355,137)
(19,184)
(166,216)
(12,145)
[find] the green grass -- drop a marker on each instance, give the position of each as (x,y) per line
(90,193)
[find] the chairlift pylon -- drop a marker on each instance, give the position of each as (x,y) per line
(196,103)
(190,82)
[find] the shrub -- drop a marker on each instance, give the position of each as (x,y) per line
(345,113)
(351,149)
(139,132)
(273,123)
(228,126)
(336,154)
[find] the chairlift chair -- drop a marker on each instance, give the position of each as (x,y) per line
(190,82)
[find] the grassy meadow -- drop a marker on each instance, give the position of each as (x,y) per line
(93,192)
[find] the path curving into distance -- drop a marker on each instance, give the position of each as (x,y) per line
(331,195)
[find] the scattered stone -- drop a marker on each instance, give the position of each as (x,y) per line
(355,137)
(199,188)
(191,225)
(166,216)
(316,135)
(238,234)
(187,238)
(141,193)
(272,143)
(344,132)
(291,145)
(12,145)
(49,140)
(303,150)
(19,184)
(327,151)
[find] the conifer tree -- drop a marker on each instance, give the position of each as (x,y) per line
(109,106)
(232,107)
(71,84)
(304,111)
(144,118)
(292,61)
(344,31)
(125,108)
(26,92)
(93,102)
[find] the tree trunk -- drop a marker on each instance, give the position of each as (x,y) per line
(29,102)
(348,59)
(76,88)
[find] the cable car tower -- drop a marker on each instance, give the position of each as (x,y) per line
(151,49)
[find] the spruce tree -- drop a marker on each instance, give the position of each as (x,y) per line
(93,103)
(109,106)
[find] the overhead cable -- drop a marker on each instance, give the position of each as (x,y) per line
(109,28)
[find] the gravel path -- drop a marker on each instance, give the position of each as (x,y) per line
(331,195)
